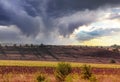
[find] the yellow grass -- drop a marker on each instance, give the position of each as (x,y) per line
(51,64)
(10,77)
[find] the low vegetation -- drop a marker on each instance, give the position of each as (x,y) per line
(86,72)
(62,71)
(112,61)
(41,78)
(25,71)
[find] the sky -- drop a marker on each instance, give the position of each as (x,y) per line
(60,22)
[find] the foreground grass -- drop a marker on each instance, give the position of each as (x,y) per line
(51,78)
(51,64)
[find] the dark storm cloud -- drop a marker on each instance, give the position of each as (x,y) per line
(10,34)
(61,6)
(14,14)
(45,16)
(67,24)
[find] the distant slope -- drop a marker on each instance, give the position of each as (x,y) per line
(59,53)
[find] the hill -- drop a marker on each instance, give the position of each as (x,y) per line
(59,53)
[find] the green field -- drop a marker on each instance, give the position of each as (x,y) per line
(51,64)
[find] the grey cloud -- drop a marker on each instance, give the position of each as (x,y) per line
(114,16)
(23,13)
(67,24)
(68,6)
(45,17)
(84,35)
(9,34)
(18,16)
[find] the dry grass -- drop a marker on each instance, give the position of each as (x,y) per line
(51,78)
(76,77)
(52,64)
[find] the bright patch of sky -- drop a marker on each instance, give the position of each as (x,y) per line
(101,31)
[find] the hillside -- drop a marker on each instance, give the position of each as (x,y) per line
(59,53)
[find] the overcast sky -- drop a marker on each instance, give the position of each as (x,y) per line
(68,22)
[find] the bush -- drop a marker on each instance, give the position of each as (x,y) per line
(41,78)
(69,78)
(116,50)
(112,61)
(86,72)
(93,79)
(62,71)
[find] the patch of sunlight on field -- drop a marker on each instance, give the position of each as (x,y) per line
(27,63)
(97,65)
(52,64)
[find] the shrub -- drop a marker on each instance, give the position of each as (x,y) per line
(62,71)
(41,78)
(112,61)
(116,50)
(86,72)
(69,78)
(93,79)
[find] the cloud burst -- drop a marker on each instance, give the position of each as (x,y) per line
(46,20)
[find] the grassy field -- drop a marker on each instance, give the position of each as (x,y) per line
(51,64)
(27,71)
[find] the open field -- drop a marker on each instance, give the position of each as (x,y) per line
(50,77)
(51,64)
(27,71)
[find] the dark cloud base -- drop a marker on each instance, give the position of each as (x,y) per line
(46,16)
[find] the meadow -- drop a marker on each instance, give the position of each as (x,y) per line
(51,64)
(27,71)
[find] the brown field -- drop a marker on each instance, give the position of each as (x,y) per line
(29,74)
